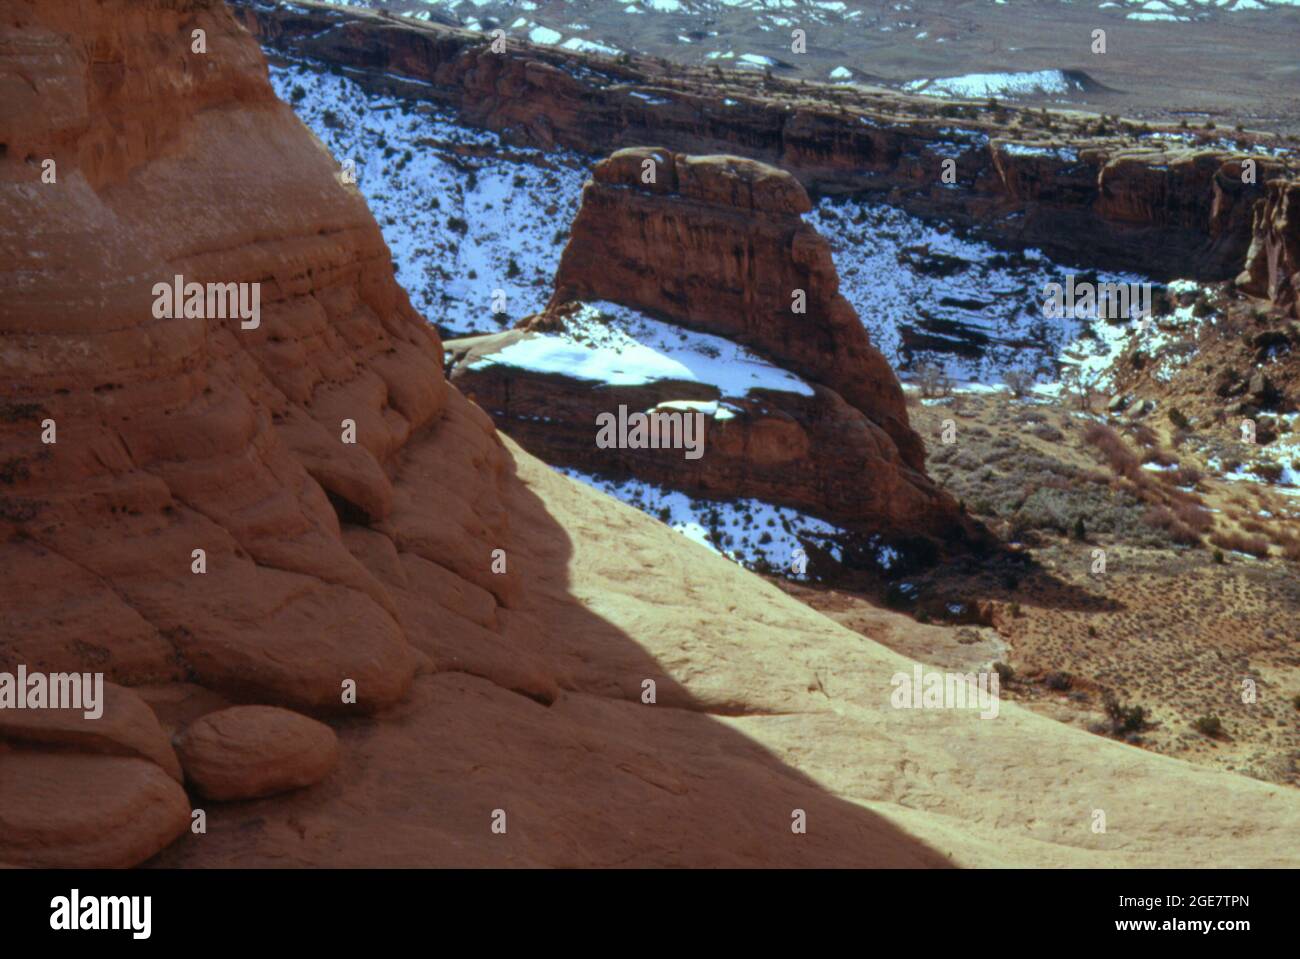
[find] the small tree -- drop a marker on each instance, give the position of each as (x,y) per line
(1018,382)
(1082,385)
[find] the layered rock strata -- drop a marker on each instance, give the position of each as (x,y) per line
(1165,202)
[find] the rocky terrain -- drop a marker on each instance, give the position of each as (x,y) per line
(352,623)
(1169,60)
(1145,197)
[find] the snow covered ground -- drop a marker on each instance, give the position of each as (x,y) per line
(462,223)
(564,23)
(608,343)
(976,86)
(753,533)
(898,272)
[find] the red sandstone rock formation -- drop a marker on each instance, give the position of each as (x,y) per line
(177,435)
(814,453)
(1272,267)
(717,245)
(372,561)
(247,752)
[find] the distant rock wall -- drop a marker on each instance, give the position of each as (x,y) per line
(1103,199)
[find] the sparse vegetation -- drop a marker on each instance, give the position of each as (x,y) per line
(1210,726)
(1124,719)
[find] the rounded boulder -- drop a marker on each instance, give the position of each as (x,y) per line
(247,752)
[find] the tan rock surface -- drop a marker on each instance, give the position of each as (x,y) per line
(764,706)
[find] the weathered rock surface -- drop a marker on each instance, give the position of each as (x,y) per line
(62,810)
(193,433)
(1272,267)
(717,245)
(127,727)
(247,752)
(1171,205)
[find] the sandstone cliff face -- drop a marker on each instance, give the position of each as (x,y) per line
(1113,200)
(183,434)
(1272,268)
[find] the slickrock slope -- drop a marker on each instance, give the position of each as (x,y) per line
(519,692)
(1157,200)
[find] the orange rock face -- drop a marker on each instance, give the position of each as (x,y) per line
(717,245)
(172,488)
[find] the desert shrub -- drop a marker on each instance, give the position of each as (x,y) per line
(1163,518)
(1192,515)
(1112,448)
(1006,674)
(1272,472)
(1123,719)
(1018,382)
(1144,435)
(1210,726)
(1241,543)
(1218,557)
(1058,681)
(1178,418)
